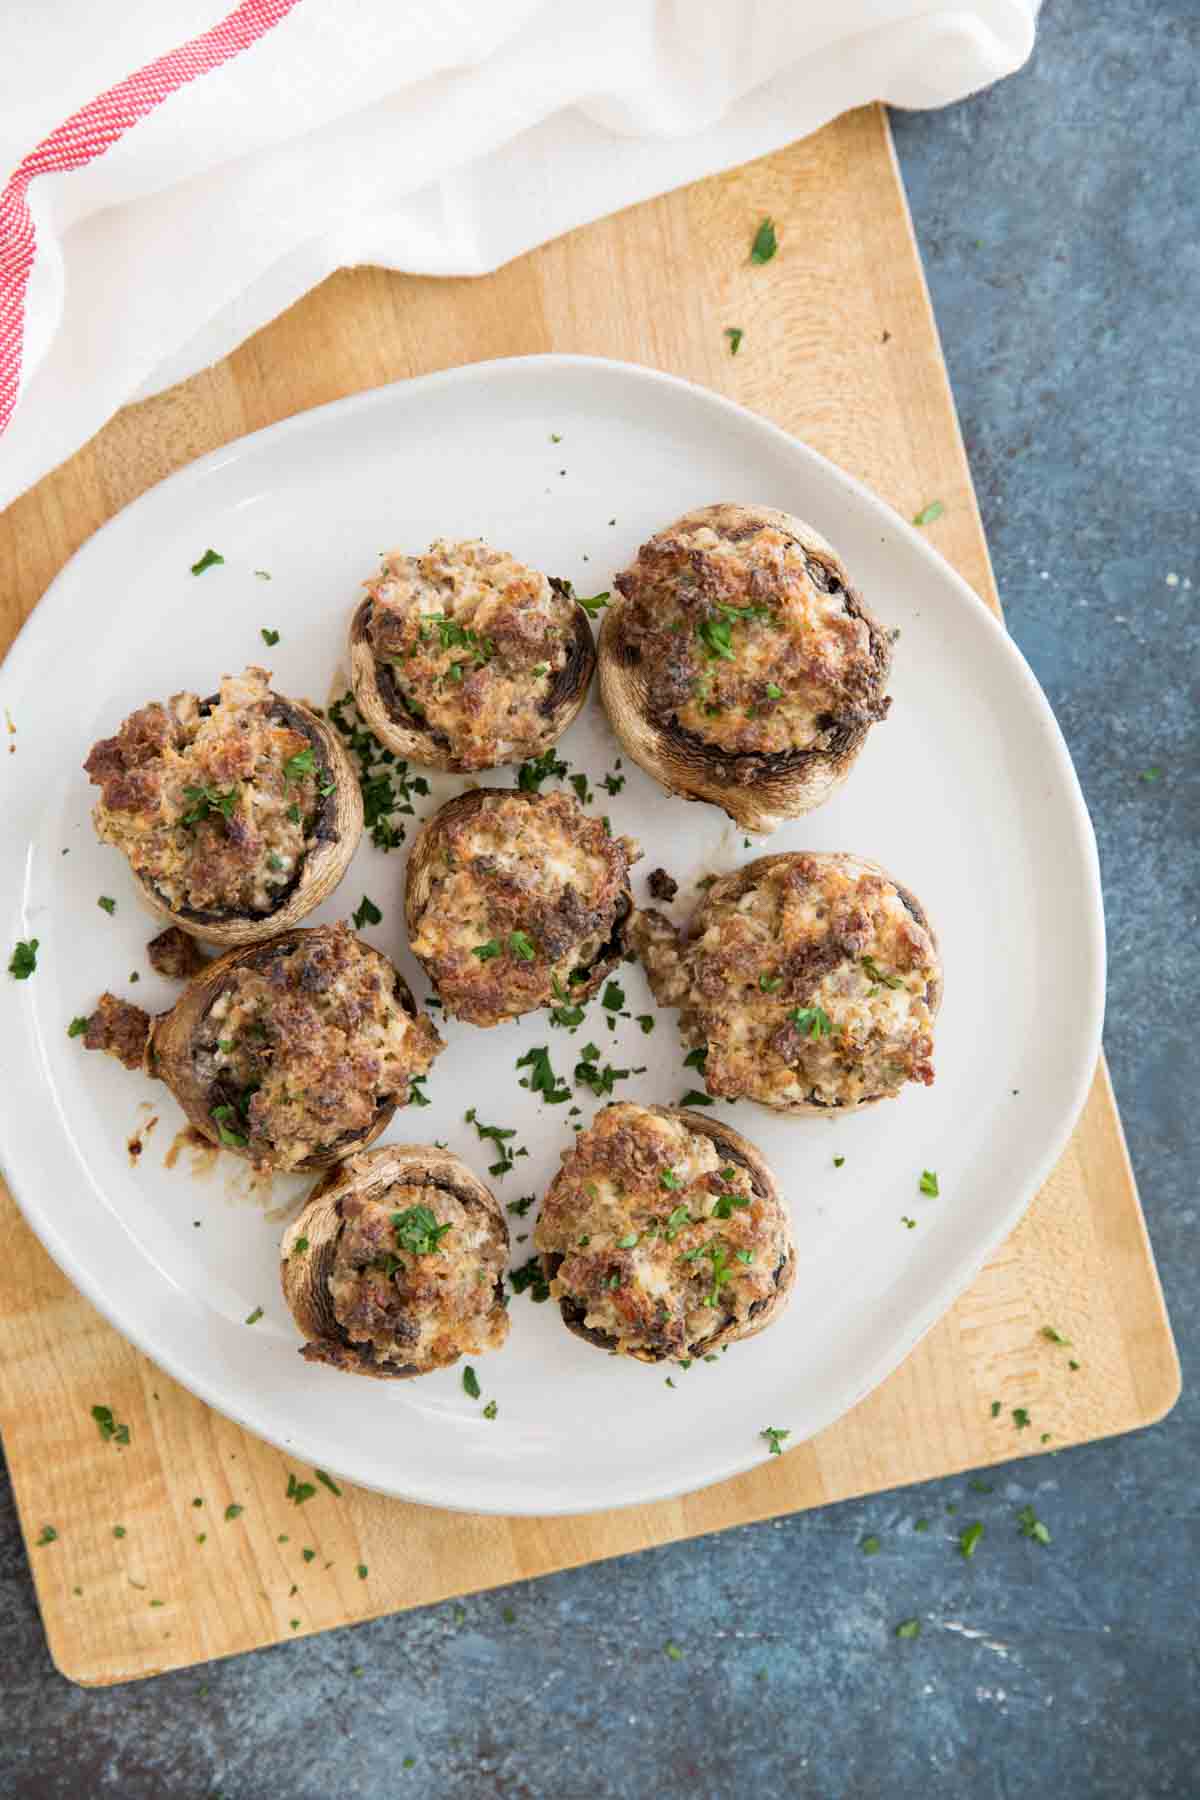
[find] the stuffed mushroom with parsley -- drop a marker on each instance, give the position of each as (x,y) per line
(808,982)
(237,815)
(463,658)
(516,901)
(292,1054)
(396,1265)
(664,1236)
(740,666)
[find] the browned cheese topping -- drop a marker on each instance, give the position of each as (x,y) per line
(217,808)
(808,985)
(299,1050)
(418,1275)
(662,1237)
(525,891)
(475,643)
(753,644)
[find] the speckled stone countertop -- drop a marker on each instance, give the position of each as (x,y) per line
(1058,220)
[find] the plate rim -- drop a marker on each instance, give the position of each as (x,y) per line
(27,646)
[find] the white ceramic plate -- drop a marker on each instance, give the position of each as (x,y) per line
(966,793)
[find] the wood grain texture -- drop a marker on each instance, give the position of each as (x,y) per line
(840,347)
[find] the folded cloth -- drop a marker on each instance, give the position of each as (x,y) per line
(180,174)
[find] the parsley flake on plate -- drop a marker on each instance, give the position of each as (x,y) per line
(775,1436)
(77,1027)
(269,637)
(541,1078)
(255,1316)
(366,913)
(107,904)
(303,763)
(209,560)
(928,1183)
(470,1381)
(522,945)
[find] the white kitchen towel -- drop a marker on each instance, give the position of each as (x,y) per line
(176,173)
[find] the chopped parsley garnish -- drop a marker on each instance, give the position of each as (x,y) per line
(233,1139)
(532,1277)
(727,1201)
(920,1524)
(969,1539)
(233,1511)
(470,1381)
(694,1097)
(909,1224)
(303,763)
(416,1091)
(49,1535)
(629,1241)
(490,1410)
(521,1207)
(877,974)
(813,1021)
(1153,773)
(366,913)
(646,1021)
(1055,1337)
(418,1231)
(268,636)
(383,778)
(500,1137)
(768,983)
(23,960)
(735,334)
(566,1013)
(589,1072)
(594,605)
(107,904)
(676,1220)
(255,1316)
(545,767)
(774,691)
(613,997)
(263,574)
(300,1246)
(696,1059)
(929,513)
(613,783)
(765,243)
(775,1436)
(716,635)
(541,1078)
(298,1491)
(309,1555)
(870,1546)
(118,1531)
(838,1161)
(485,952)
(77,1027)
(909,1628)
(330,1483)
(522,945)
(108,1427)
(206,800)
(928,1183)
(584,793)
(362,1571)
(1021,1418)
(995,1409)
(209,560)
(668,1179)
(1031,1526)
(673,1651)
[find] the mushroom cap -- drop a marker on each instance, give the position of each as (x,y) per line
(760,791)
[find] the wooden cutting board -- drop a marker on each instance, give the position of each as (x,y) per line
(840,347)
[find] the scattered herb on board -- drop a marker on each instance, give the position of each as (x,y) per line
(269,637)
(361,1571)
(969,1539)
(308,1554)
(995,1409)
(209,560)
(546,767)
(870,1546)
(328,1481)
(470,1381)
(909,1628)
(1021,1418)
(366,913)
(1153,773)
(735,334)
(298,1491)
(49,1535)
(981,1487)
(1031,1526)
(775,1436)
(765,243)
(530,1277)
(118,1531)
(234,1511)
(108,1427)
(255,1316)
(77,1027)
(929,513)
(928,1183)
(920,1524)
(107,904)
(541,1078)
(673,1651)
(1055,1337)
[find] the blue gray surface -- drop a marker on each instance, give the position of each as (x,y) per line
(1057,217)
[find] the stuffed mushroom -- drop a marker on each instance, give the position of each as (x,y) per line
(664,1235)
(516,901)
(292,1054)
(396,1265)
(464,658)
(740,666)
(806,981)
(237,815)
